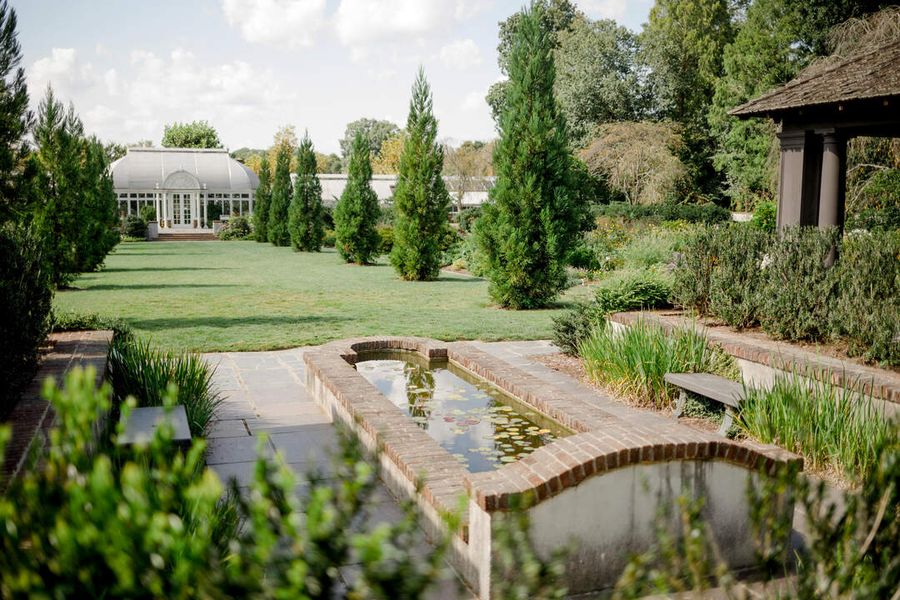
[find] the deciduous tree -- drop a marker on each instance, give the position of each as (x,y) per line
(375,131)
(305,213)
(196,134)
(420,198)
(597,76)
(357,211)
(387,161)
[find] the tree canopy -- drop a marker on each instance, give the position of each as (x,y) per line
(196,134)
(375,131)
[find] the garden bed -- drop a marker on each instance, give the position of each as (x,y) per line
(761,358)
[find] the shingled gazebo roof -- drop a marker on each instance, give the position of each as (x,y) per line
(869,76)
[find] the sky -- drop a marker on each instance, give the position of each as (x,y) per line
(251,66)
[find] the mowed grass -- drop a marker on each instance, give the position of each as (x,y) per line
(218,296)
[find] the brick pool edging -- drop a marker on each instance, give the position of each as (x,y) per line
(603,442)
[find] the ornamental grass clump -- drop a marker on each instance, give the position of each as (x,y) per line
(137,369)
(634,361)
(835,429)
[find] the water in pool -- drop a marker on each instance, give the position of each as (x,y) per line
(478,424)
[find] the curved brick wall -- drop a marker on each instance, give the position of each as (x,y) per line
(605,440)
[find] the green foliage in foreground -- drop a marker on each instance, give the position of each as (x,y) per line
(357,212)
(91,521)
(138,370)
(635,360)
(847,431)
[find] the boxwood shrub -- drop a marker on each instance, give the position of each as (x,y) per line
(667,211)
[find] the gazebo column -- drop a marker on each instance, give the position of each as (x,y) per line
(205,220)
(833,181)
(800,173)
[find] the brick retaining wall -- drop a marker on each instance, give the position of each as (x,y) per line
(33,416)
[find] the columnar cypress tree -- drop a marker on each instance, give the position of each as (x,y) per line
(420,198)
(98,209)
(305,218)
(261,202)
(15,117)
(277,226)
(58,186)
(535,213)
(357,211)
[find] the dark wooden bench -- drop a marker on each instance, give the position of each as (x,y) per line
(730,393)
(142,423)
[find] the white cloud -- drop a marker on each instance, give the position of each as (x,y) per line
(474,100)
(133,104)
(361,22)
(290,23)
(63,70)
(630,13)
(461,54)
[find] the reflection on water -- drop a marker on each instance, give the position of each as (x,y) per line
(481,426)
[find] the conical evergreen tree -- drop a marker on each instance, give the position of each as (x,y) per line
(535,214)
(420,198)
(357,211)
(58,186)
(261,202)
(98,210)
(305,217)
(277,225)
(15,117)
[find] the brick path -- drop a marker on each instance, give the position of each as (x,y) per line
(265,393)
(33,415)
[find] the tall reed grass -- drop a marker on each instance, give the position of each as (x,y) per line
(137,369)
(634,361)
(834,428)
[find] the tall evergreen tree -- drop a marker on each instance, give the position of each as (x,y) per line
(261,202)
(305,215)
(277,225)
(534,213)
(57,185)
(421,200)
(15,118)
(357,211)
(99,208)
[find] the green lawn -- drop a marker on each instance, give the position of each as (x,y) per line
(209,296)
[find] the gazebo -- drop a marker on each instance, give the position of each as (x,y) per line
(817,113)
(181,183)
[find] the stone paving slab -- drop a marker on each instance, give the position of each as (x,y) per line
(265,393)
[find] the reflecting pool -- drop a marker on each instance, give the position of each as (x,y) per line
(478,424)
